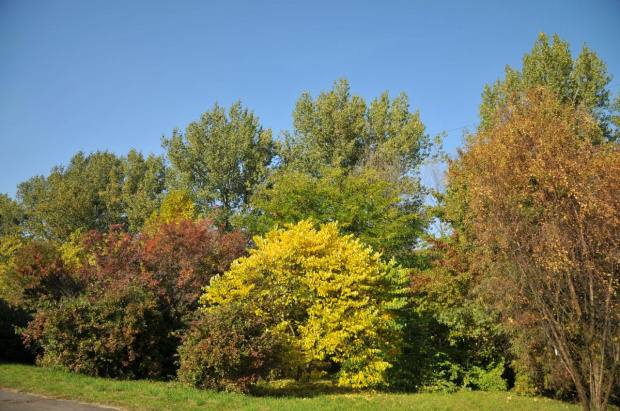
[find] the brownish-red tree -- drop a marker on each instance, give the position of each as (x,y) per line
(541,194)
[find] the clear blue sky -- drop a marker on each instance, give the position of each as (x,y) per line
(110,74)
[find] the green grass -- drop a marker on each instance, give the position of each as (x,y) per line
(147,395)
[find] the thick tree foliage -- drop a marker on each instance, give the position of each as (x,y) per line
(220,158)
(119,314)
(354,163)
(341,130)
(11,216)
(93,192)
(578,82)
(363,203)
(542,211)
(459,343)
(121,333)
(451,289)
(142,188)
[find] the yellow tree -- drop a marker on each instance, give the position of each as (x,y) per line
(327,296)
(543,198)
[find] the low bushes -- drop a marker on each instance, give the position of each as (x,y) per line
(118,334)
(130,298)
(228,349)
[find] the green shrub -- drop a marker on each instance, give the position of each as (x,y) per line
(119,334)
(524,385)
(489,379)
(228,349)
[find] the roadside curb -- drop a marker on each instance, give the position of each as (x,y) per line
(12,400)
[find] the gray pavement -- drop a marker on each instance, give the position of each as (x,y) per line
(17,401)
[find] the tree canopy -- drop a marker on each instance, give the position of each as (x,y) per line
(143,267)
(338,129)
(93,192)
(543,211)
(353,163)
(220,158)
(579,82)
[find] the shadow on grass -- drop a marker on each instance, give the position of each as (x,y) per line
(298,389)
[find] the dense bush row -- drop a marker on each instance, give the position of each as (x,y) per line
(116,304)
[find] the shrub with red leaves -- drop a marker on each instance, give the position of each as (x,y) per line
(102,331)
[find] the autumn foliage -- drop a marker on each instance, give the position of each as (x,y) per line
(543,194)
(139,292)
(326,296)
(128,267)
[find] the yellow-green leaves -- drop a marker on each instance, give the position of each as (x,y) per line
(11,284)
(329,296)
(176,205)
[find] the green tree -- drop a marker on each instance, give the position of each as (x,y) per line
(93,192)
(579,82)
(364,204)
(143,187)
(11,216)
(457,335)
(354,163)
(85,194)
(341,130)
(221,157)
(327,296)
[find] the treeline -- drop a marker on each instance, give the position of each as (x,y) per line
(239,257)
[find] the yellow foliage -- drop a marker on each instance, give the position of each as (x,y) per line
(72,252)
(11,284)
(328,295)
(177,205)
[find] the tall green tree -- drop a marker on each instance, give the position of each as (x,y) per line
(339,129)
(93,192)
(84,195)
(221,157)
(354,163)
(579,82)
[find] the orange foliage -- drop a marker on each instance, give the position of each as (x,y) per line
(542,194)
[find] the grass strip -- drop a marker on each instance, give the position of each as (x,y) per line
(150,395)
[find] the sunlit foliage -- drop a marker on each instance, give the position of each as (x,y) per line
(329,298)
(543,199)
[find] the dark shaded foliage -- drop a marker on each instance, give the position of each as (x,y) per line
(11,346)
